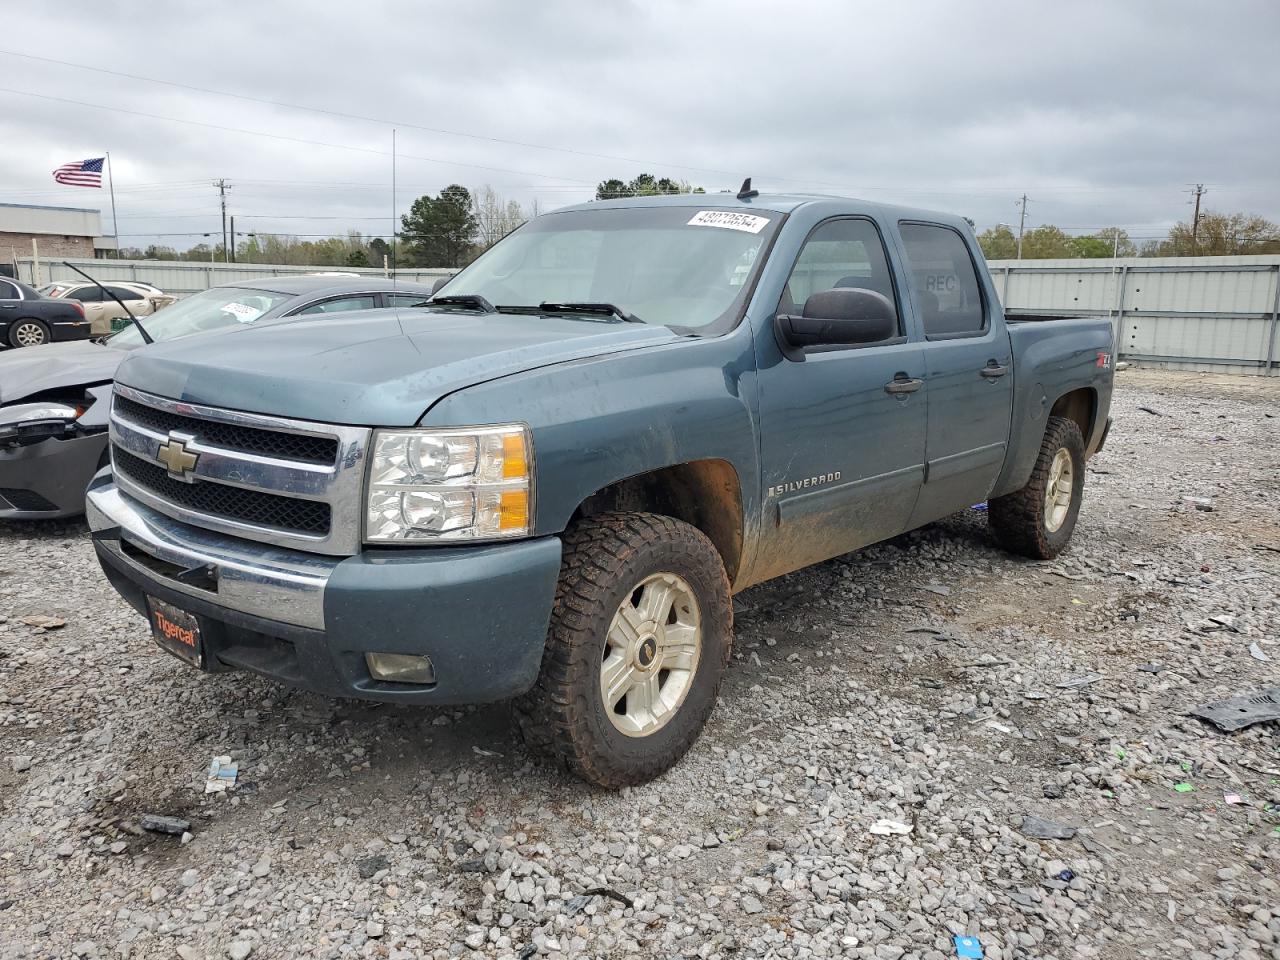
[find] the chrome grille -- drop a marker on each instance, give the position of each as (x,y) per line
(288,482)
(245,506)
(288,446)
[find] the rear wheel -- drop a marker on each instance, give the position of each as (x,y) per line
(1037,521)
(28,333)
(639,640)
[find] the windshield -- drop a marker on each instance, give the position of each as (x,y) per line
(676,266)
(207,310)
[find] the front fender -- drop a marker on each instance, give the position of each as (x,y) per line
(601,420)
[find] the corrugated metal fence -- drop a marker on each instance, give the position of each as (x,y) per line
(181,277)
(1218,314)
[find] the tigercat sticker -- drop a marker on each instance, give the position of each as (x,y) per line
(791,486)
(728,220)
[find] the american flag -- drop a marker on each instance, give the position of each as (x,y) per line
(81,173)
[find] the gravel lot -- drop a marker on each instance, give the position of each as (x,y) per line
(916,682)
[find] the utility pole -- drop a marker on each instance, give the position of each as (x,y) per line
(222,186)
(1198,192)
(232,250)
(1022,221)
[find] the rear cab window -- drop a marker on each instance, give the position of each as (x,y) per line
(944,281)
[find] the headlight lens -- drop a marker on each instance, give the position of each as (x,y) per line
(473,483)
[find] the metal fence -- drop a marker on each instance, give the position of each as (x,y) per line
(1217,314)
(181,277)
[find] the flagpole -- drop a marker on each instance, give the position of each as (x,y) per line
(111,184)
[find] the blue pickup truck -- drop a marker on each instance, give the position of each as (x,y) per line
(546,486)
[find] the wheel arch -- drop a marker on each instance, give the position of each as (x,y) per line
(706,494)
(1081,407)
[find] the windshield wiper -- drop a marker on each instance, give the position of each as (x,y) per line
(608,309)
(473,300)
(141,329)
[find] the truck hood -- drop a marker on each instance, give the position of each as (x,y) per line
(30,370)
(373,368)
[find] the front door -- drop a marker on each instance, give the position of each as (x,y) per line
(843,430)
(969,369)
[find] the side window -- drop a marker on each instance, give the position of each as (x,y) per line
(8,291)
(124,293)
(838,253)
(944,280)
(342,303)
(85,295)
(406,299)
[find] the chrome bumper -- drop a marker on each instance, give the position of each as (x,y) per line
(270,582)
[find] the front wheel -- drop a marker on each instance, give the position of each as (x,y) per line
(639,641)
(28,333)
(1037,521)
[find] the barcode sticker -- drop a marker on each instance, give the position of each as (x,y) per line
(728,220)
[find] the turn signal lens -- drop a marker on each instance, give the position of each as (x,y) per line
(513,510)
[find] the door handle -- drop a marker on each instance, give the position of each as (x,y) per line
(8,306)
(993,370)
(903,384)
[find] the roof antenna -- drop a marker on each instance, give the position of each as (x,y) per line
(746,193)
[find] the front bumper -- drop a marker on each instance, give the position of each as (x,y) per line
(480,613)
(47,480)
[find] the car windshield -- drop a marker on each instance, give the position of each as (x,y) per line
(208,310)
(682,267)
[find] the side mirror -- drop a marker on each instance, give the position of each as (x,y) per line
(845,315)
(440,282)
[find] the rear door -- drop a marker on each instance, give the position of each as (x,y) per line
(969,369)
(842,458)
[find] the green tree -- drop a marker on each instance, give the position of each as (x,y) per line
(1046,243)
(998,243)
(1220,235)
(439,231)
(645,185)
(358,258)
(379,248)
(1118,242)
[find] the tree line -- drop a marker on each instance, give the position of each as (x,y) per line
(1216,235)
(455,226)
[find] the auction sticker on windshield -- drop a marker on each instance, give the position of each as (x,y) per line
(243,312)
(728,220)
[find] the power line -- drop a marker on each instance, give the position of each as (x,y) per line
(278,136)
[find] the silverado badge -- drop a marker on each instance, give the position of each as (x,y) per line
(173,454)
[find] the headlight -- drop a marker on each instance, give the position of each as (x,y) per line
(471,483)
(21,417)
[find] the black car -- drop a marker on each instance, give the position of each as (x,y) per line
(28,319)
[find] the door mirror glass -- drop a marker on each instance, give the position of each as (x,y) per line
(435,287)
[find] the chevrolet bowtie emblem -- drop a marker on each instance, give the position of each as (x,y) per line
(173,454)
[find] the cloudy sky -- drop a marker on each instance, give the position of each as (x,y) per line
(1103,113)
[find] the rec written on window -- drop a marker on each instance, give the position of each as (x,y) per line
(838,253)
(944,280)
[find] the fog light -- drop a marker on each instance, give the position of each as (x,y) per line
(400,667)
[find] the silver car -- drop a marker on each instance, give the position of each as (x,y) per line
(54,398)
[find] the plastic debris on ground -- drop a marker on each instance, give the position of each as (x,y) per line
(1042,829)
(1232,799)
(1236,713)
(887,828)
(1067,875)
(222,775)
(1255,651)
(969,947)
(980,507)
(1074,683)
(159,823)
(1183,787)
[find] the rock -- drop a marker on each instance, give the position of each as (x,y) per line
(158,823)
(751,905)
(239,949)
(20,764)
(368,866)
(373,929)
